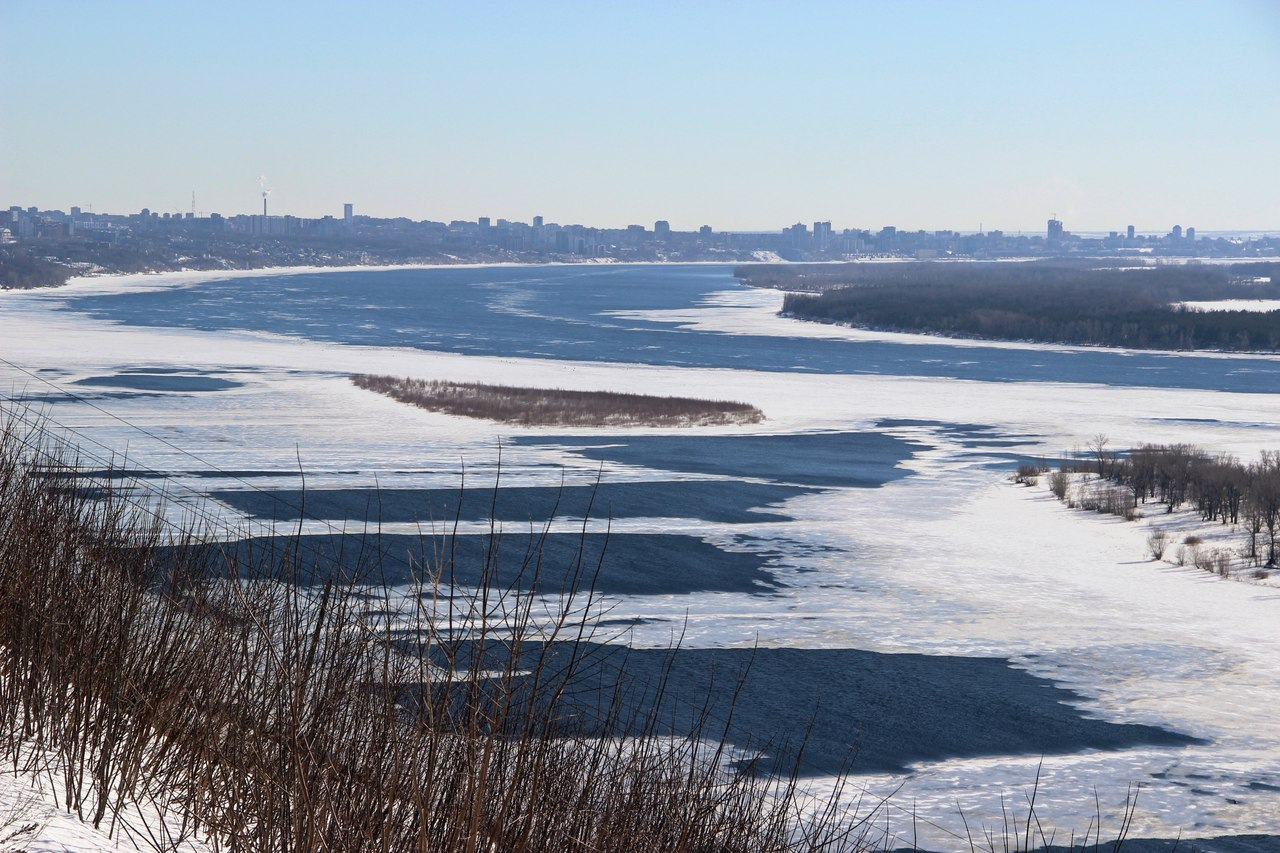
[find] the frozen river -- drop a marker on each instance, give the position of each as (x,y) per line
(952,628)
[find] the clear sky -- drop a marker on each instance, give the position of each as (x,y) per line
(740,115)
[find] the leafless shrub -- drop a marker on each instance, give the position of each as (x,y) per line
(1027,475)
(1116,502)
(1059,482)
(1098,497)
(1087,498)
(1192,540)
(557,407)
(1157,541)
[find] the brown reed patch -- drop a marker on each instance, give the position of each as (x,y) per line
(556,406)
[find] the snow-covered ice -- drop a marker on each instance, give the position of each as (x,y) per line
(953,560)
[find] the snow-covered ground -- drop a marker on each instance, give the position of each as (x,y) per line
(951,560)
(1234,305)
(32,822)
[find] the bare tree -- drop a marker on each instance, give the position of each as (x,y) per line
(1098,447)
(1265,498)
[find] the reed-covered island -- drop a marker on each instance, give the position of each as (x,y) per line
(556,406)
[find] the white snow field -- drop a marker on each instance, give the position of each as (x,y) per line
(1234,305)
(953,560)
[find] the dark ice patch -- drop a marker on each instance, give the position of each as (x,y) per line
(159,382)
(721,501)
(864,711)
(618,563)
(830,459)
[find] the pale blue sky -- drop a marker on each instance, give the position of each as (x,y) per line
(739,115)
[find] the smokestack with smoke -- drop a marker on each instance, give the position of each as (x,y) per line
(266,191)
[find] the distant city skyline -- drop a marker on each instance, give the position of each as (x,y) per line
(821,234)
(745,116)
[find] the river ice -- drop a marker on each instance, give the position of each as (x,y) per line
(949,560)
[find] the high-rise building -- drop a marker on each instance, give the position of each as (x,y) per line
(662,229)
(347,211)
(483,222)
(537,222)
(797,235)
(1130,232)
(821,236)
(704,231)
(1055,229)
(1176,233)
(1191,234)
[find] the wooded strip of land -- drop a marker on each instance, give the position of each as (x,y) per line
(1045,302)
(557,407)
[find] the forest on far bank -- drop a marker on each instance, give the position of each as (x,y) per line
(21,269)
(1050,302)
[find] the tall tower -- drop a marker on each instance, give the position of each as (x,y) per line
(266,191)
(347,211)
(1055,229)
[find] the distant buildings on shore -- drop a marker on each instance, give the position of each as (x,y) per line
(541,240)
(1130,240)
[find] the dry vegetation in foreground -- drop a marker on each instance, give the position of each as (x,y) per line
(167,693)
(180,696)
(557,407)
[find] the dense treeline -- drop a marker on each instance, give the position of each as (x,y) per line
(1045,302)
(823,277)
(21,269)
(1260,269)
(1219,487)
